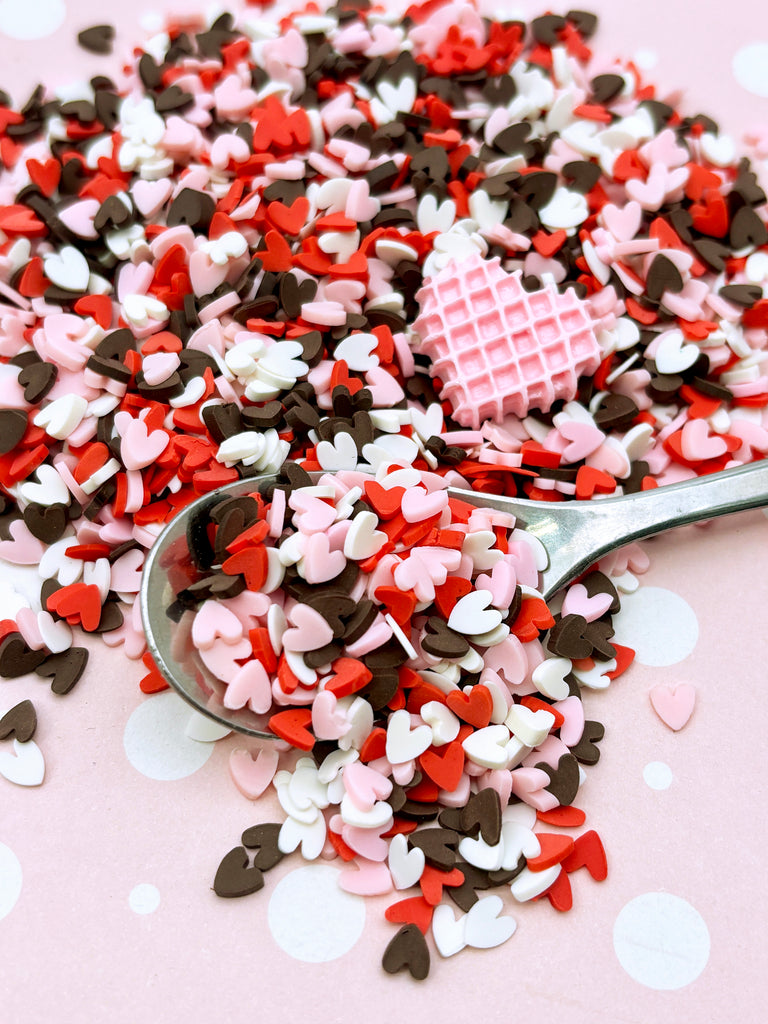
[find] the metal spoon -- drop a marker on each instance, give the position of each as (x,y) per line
(575,535)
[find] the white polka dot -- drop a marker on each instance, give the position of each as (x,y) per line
(311,918)
(661,941)
(10,880)
(646,59)
(144,898)
(658,625)
(657,775)
(31,19)
(156,743)
(750,68)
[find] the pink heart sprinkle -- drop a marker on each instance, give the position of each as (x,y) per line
(697,444)
(366,841)
(252,686)
(23,549)
(417,505)
(578,602)
(311,631)
(369,878)
(622,222)
(215,622)
(320,563)
(501,584)
(252,776)
(673,706)
(364,785)
(150,196)
(205,275)
(159,366)
(328,723)
(222,659)
(584,439)
(126,572)
(140,448)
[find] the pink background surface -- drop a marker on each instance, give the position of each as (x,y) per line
(72,949)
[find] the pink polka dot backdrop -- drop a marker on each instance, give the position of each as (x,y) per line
(106,905)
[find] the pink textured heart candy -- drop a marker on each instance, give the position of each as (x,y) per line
(252,776)
(506,351)
(673,706)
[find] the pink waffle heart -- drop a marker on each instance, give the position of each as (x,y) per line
(499,349)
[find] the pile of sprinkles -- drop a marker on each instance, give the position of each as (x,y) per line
(400,254)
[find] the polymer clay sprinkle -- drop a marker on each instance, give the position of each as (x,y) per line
(414,252)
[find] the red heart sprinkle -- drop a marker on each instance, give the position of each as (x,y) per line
(554,849)
(414,910)
(291,726)
(474,707)
(588,852)
(444,767)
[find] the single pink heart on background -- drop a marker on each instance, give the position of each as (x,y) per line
(673,706)
(253,775)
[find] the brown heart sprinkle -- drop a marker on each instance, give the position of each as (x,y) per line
(408,949)
(234,877)
(97,39)
(20,721)
(64,669)
(16,659)
(263,839)
(483,811)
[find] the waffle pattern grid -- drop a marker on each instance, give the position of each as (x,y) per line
(498,349)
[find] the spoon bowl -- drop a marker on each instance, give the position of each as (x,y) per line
(573,534)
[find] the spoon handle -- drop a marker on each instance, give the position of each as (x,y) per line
(575,534)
